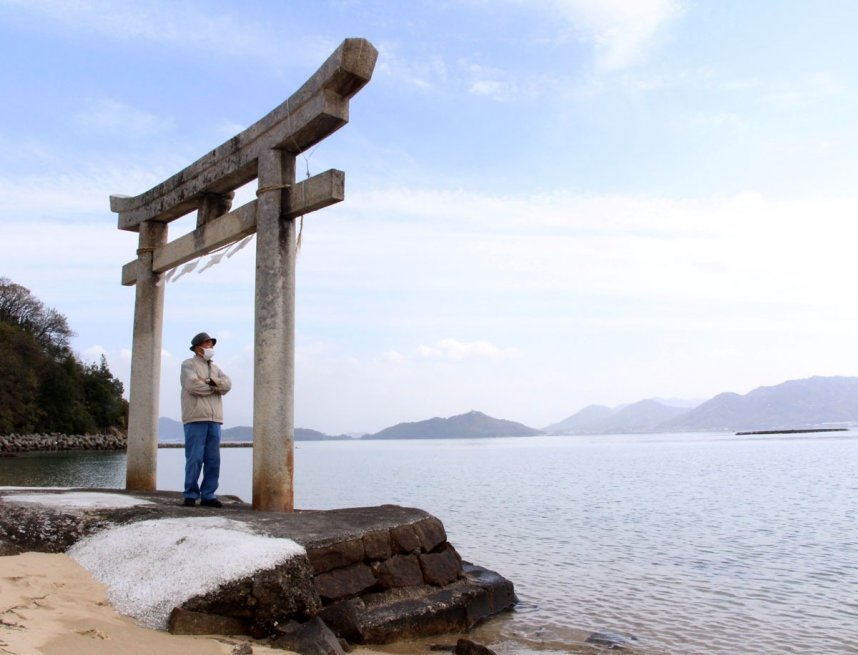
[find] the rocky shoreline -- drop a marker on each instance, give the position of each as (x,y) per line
(54,442)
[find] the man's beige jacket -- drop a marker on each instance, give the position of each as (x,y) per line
(201,401)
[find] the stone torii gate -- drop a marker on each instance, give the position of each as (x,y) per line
(265,151)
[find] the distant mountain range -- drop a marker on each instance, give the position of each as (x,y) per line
(808,403)
(170,430)
(798,404)
(471,425)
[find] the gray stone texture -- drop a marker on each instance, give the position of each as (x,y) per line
(405,539)
(398,571)
(442,567)
(345,582)
(355,576)
(376,545)
(25,443)
(336,555)
(186,622)
(310,638)
(468,647)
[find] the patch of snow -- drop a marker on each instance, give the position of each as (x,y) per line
(78,500)
(151,567)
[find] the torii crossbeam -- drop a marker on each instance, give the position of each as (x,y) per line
(265,151)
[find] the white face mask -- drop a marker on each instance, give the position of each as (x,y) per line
(208,353)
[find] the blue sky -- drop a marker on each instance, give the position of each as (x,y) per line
(548,204)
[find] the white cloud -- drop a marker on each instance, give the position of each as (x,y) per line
(94,353)
(490,82)
(108,115)
(183,26)
(802,92)
(720,248)
(457,351)
(491,88)
(76,190)
(394,357)
(718,119)
(621,30)
(424,74)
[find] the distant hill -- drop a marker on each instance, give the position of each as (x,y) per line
(796,404)
(588,419)
(807,403)
(465,426)
(170,430)
(642,416)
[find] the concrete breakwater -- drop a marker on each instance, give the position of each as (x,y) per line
(304,580)
(26,443)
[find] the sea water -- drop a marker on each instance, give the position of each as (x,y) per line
(684,543)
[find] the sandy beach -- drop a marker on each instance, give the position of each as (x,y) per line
(50,605)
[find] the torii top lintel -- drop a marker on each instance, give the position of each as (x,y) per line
(313,112)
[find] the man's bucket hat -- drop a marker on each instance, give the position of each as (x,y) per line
(202,337)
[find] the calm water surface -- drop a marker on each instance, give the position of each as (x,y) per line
(690,543)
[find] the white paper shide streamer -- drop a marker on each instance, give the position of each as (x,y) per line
(215,258)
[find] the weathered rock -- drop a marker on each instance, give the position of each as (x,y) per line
(430,531)
(398,571)
(343,617)
(429,592)
(404,539)
(612,640)
(411,612)
(336,555)
(344,582)
(442,567)
(266,598)
(242,649)
(45,529)
(22,443)
(310,638)
(185,622)
(376,545)
(468,647)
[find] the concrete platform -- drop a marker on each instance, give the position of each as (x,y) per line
(372,574)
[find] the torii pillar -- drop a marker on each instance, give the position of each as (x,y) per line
(266,150)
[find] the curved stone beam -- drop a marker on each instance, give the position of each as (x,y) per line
(316,110)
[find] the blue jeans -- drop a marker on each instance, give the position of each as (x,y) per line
(202,453)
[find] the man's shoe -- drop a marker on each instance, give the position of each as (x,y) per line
(211,502)
(190,502)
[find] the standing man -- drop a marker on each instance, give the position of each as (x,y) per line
(203,384)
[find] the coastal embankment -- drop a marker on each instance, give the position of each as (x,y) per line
(304,580)
(28,443)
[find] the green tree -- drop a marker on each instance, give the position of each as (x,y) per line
(61,399)
(43,386)
(21,360)
(103,396)
(21,308)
